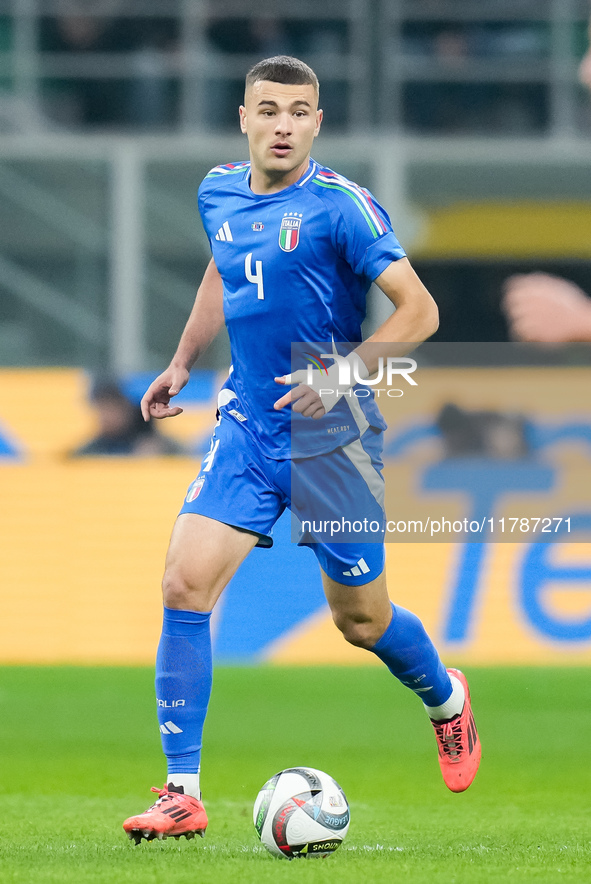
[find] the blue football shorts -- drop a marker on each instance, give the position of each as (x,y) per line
(336,499)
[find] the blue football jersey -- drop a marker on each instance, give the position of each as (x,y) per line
(296,266)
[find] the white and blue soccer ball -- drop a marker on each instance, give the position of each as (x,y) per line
(301,812)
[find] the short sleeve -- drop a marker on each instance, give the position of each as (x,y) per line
(202,206)
(363,232)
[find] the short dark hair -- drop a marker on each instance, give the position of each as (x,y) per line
(283,69)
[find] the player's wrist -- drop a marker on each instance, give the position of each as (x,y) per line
(347,371)
(182,365)
(359,370)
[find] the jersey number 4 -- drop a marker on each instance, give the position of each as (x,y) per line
(257,276)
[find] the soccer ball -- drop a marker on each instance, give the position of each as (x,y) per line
(301,812)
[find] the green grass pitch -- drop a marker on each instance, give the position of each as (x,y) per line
(79,750)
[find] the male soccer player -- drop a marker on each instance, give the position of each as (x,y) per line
(295,248)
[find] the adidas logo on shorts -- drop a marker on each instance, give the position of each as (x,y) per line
(358,569)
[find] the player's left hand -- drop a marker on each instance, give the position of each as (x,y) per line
(304,400)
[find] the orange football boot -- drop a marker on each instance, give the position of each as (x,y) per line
(172,815)
(458,744)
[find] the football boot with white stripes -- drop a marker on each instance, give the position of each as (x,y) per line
(172,815)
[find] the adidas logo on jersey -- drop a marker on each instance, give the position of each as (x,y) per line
(224,234)
(170,727)
(358,569)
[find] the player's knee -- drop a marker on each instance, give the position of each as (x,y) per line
(178,591)
(358,630)
(175,590)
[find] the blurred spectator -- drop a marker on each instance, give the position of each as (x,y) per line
(253,36)
(541,307)
(151,97)
(462,104)
(144,97)
(122,429)
(82,100)
(495,434)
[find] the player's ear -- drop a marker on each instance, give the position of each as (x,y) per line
(242,112)
(319,116)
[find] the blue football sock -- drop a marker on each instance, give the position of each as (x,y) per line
(410,655)
(183,686)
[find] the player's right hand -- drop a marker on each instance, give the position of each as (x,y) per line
(303,399)
(156,399)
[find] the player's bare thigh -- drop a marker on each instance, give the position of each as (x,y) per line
(202,557)
(362,613)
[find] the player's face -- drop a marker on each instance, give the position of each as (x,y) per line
(281,123)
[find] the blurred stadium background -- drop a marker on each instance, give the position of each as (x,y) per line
(465,118)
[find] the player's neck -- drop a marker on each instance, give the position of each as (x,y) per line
(271,181)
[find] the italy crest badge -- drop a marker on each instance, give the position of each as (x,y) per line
(289,232)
